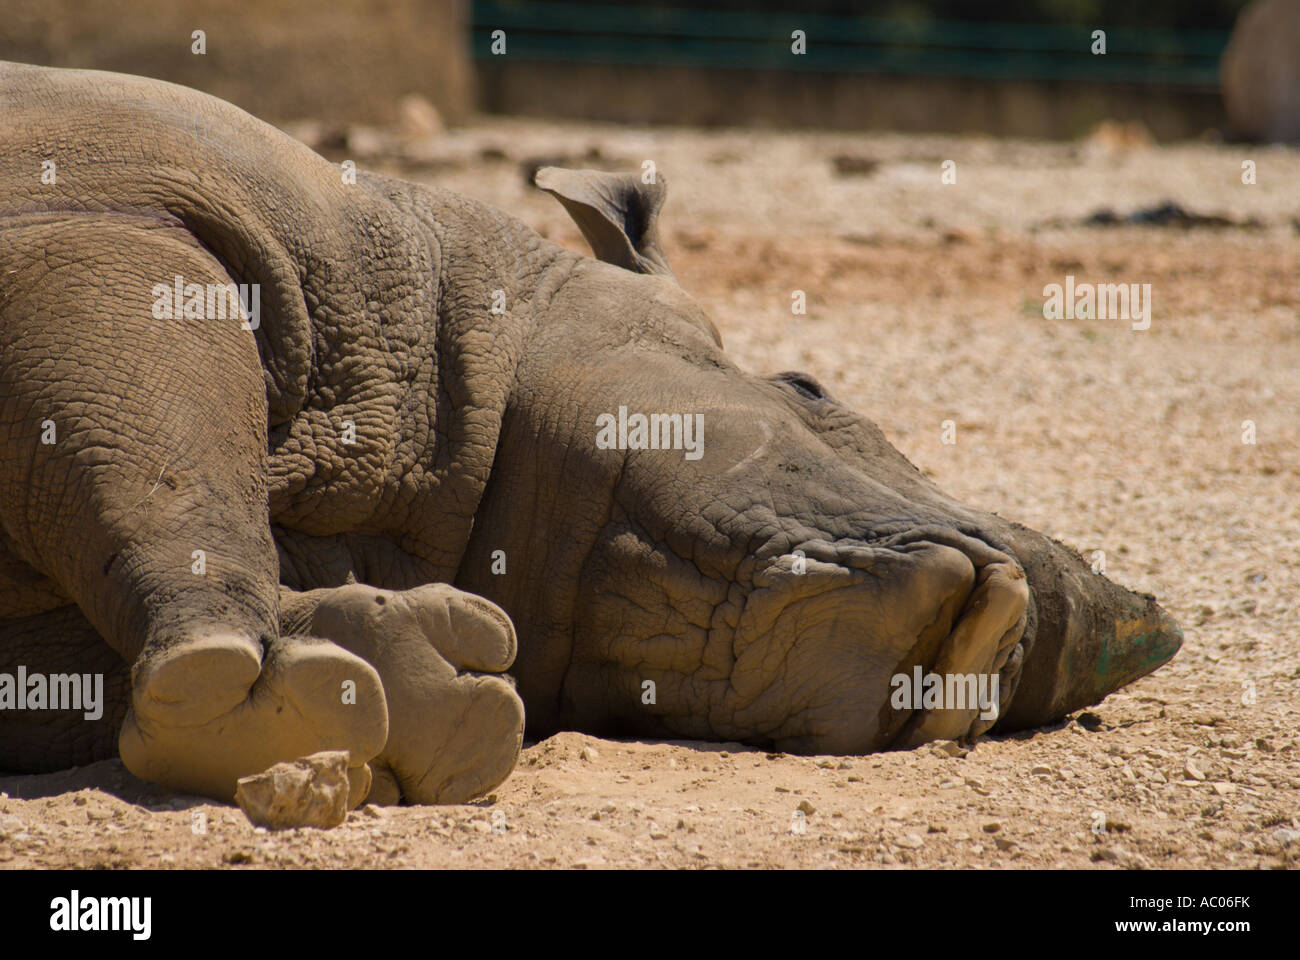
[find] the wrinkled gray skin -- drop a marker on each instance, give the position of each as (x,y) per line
(769,589)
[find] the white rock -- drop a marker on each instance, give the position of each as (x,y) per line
(1260,71)
(308,792)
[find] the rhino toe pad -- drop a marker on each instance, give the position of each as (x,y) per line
(455,731)
(309,696)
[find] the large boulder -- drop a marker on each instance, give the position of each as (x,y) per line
(1260,72)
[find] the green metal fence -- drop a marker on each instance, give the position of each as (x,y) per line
(577,33)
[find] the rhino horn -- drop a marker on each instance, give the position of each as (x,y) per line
(618,213)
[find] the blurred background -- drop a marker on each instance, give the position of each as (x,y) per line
(1016,68)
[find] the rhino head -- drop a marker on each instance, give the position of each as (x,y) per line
(713,554)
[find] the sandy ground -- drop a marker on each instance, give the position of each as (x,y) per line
(924,305)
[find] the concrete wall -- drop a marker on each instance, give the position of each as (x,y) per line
(693,95)
(341,60)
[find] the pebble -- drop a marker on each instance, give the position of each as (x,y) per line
(309,792)
(589,754)
(1041,770)
(912,841)
(1285,836)
(991,827)
(1192,770)
(806,807)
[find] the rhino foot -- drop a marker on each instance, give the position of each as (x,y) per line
(455,729)
(214,707)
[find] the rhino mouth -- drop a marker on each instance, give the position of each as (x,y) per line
(834,628)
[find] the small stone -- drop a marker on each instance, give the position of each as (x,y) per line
(1041,770)
(806,807)
(781,789)
(595,815)
(309,792)
(80,799)
(375,813)
(948,748)
(1130,860)
(826,764)
(844,765)
(481,826)
(589,754)
(912,841)
(1286,836)
(1223,788)
(657,832)
(1004,843)
(991,827)
(1192,770)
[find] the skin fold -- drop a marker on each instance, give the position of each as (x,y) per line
(340,529)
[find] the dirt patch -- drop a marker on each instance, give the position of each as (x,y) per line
(924,305)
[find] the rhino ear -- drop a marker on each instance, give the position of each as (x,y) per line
(616,212)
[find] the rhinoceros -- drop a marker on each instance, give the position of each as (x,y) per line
(300,458)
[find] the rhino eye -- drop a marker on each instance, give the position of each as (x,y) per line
(806,385)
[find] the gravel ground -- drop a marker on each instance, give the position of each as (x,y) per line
(924,306)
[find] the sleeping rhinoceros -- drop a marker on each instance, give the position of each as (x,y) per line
(300,445)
